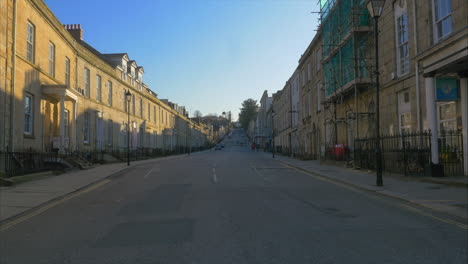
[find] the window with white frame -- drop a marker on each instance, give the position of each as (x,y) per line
(404,112)
(30,42)
(67,72)
(141,107)
(98,88)
(87,82)
(442,19)
(109,93)
(124,70)
(402,44)
(447,113)
(125,103)
(149,112)
(51,59)
(28,114)
(86,132)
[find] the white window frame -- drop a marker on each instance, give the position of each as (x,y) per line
(28,114)
(30,42)
(109,93)
(141,107)
(132,73)
(67,71)
(149,112)
(51,59)
(402,44)
(125,103)
(124,70)
(448,120)
(403,126)
(404,112)
(436,21)
(98,88)
(87,82)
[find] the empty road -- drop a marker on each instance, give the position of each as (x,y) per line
(230,206)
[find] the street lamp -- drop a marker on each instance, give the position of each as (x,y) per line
(128,98)
(375,8)
(273,132)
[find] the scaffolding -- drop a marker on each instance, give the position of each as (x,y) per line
(346,35)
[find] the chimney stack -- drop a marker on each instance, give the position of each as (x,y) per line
(75,30)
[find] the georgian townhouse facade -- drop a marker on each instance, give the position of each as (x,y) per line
(423,52)
(281,106)
(61,94)
(263,130)
(310,103)
(424,65)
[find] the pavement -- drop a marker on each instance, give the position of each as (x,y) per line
(443,196)
(230,206)
(18,199)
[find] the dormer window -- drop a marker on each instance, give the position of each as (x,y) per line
(124,70)
(133,76)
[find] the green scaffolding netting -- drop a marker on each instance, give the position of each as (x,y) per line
(347,64)
(348,60)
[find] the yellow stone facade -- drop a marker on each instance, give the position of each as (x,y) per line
(60,81)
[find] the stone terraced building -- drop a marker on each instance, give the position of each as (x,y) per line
(58,93)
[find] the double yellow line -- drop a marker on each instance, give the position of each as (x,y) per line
(40,210)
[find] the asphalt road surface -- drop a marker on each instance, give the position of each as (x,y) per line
(230,206)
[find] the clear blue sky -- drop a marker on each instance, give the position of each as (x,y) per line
(208,55)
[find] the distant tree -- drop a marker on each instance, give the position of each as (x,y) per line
(248,112)
(197,114)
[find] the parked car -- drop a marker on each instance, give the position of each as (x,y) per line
(218,147)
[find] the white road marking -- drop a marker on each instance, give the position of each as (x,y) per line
(215,178)
(149,172)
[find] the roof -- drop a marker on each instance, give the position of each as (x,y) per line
(95,52)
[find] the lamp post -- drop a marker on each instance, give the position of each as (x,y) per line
(273,132)
(128,98)
(375,8)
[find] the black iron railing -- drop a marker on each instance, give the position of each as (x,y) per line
(27,162)
(451,152)
(21,163)
(410,154)
(406,154)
